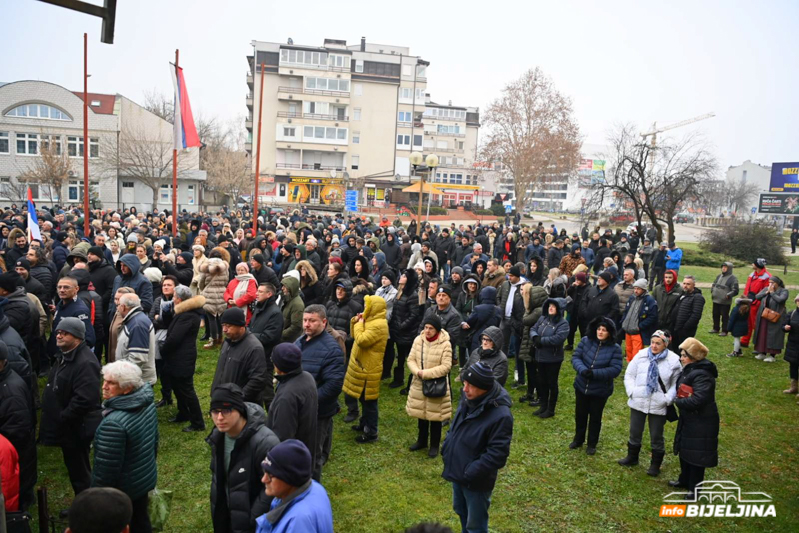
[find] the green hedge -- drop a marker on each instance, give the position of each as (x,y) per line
(482,212)
(498,210)
(434,210)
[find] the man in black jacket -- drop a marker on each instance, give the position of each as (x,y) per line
(600,300)
(71,401)
(266,325)
(261,272)
(102,274)
(323,359)
(180,355)
(687,311)
(239,442)
(18,425)
(444,247)
(241,360)
(658,266)
(293,414)
(18,307)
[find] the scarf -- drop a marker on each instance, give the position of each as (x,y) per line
(673,283)
(241,288)
(652,375)
(434,337)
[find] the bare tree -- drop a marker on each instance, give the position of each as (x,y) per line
(532,132)
(143,155)
(227,163)
(160,104)
(51,168)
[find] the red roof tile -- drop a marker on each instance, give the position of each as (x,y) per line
(106,106)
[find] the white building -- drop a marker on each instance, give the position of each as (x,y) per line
(36,112)
(569,192)
(758,176)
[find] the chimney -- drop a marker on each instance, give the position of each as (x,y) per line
(363,44)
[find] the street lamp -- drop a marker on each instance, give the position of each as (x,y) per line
(432,163)
(416,160)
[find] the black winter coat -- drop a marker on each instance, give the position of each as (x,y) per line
(686,315)
(598,302)
(242,483)
(184,272)
(405,317)
(697,438)
(294,411)
(71,396)
(478,441)
(178,350)
(323,359)
(45,276)
(392,251)
(792,345)
(18,424)
(551,332)
(267,325)
(517,311)
(485,315)
(18,355)
(339,314)
(102,275)
(243,363)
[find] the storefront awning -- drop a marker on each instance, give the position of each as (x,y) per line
(428,188)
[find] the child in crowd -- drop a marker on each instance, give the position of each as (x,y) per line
(738,325)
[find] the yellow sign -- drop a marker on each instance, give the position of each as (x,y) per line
(457,187)
(318,181)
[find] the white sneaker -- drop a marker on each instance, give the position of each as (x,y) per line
(769,359)
(760,356)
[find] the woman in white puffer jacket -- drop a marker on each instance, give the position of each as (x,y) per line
(649,393)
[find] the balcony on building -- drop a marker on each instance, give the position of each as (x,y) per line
(313,163)
(320,60)
(249,101)
(250,80)
(314,111)
(248,124)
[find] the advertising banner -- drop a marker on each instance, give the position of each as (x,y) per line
(590,172)
(784,177)
(779,203)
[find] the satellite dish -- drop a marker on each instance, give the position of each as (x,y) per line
(333,173)
(291,41)
(397,177)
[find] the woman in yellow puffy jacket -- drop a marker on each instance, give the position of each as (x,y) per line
(369,331)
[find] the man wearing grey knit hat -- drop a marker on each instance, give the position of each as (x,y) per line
(477,445)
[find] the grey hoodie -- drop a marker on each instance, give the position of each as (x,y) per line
(725,287)
(496,359)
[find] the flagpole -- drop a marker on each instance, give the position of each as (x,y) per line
(258,156)
(175,165)
(86,143)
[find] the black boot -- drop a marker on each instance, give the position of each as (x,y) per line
(206,335)
(541,409)
(654,466)
(164,402)
(632,456)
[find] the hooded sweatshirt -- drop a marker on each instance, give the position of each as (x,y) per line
(725,287)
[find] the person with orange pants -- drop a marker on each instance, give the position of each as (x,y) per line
(640,319)
(755,282)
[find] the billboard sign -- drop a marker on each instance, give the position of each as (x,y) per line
(590,172)
(784,177)
(779,203)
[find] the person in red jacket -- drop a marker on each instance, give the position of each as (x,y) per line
(9,473)
(241,290)
(755,282)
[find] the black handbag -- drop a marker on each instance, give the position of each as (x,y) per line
(436,387)
(671,411)
(18,522)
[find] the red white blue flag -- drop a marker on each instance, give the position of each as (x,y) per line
(185,132)
(33,220)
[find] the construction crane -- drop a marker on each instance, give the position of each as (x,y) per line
(656,130)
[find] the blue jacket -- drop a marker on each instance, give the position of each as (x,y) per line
(135,281)
(738,325)
(308,512)
(532,250)
(76,308)
(323,359)
(486,314)
(60,253)
(647,317)
(588,255)
(604,360)
(552,332)
(675,259)
(478,441)
(466,264)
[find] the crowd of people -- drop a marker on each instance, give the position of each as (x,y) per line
(312,305)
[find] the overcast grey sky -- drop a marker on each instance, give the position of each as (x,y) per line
(619,61)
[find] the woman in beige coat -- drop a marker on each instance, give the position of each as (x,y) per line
(214,276)
(430,358)
(198,250)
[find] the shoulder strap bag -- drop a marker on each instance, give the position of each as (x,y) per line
(436,387)
(671,411)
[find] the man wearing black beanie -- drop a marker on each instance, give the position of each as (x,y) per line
(293,413)
(241,359)
(239,442)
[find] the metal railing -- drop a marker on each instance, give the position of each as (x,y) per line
(288,114)
(318,116)
(288,165)
(295,90)
(315,166)
(312,66)
(343,94)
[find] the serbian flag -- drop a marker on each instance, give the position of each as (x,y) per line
(33,220)
(185,133)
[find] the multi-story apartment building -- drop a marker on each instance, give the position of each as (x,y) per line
(338,117)
(36,112)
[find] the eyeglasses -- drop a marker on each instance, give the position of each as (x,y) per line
(61,333)
(223,412)
(268,476)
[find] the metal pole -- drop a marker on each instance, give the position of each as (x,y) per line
(419,211)
(430,194)
(258,155)
(85,136)
(175,162)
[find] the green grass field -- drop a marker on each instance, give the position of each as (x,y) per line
(382,486)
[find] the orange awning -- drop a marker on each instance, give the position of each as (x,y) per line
(428,188)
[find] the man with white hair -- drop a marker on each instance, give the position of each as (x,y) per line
(136,342)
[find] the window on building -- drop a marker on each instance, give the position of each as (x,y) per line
(75,147)
(356,162)
(417,140)
(743,177)
(321,132)
(165,196)
(327,84)
(441,145)
(55,139)
(460,145)
(339,61)
(4,145)
(73,191)
(356,113)
(190,195)
(458,178)
(449,128)
(38,111)
(358,87)
(27,143)
(419,95)
(404,116)
(444,177)
(421,71)
(358,66)
(406,93)
(289,132)
(403,140)
(5,187)
(304,57)
(356,137)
